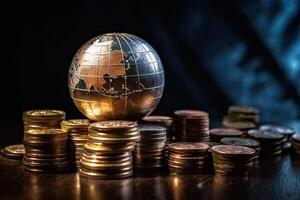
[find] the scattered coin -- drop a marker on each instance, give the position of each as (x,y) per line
(15,151)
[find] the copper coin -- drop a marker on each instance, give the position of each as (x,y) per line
(296,137)
(226,132)
(233,150)
(243,109)
(240,141)
(196,113)
(284,130)
(113,125)
(188,147)
(158,119)
(267,135)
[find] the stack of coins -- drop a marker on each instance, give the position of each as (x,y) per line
(14,152)
(107,153)
(187,157)
(241,117)
(150,150)
(78,135)
(192,125)
(232,160)
(296,143)
(42,119)
(46,150)
(245,142)
(160,120)
(287,132)
(270,141)
(216,134)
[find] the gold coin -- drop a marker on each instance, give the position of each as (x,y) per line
(46,132)
(15,149)
(117,139)
(106,157)
(88,174)
(110,165)
(98,160)
(114,124)
(233,150)
(75,123)
(44,113)
(100,147)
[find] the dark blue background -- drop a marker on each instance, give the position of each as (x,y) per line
(215,53)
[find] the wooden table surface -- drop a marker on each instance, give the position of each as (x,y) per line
(276,178)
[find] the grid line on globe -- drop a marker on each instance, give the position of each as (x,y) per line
(116,76)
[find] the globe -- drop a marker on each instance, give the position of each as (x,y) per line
(116,76)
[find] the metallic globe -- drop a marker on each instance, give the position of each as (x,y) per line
(116,76)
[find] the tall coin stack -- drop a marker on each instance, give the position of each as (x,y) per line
(150,150)
(46,150)
(232,160)
(270,141)
(241,117)
(42,119)
(192,125)
(107,153)
(165,121)
(78,135)
(187,157)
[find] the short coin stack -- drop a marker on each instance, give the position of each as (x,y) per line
(165,121)
(296,143)
(232,160)
(78,135)
(13,152)
(245,142)
(150,150)
(287,132)
(270,141)
(217,134)
(107,153)
(42,119)
(46,150)
(192,125)
(241,117)
(161,120)
(187,157)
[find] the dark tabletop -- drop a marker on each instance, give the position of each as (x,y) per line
(276,178)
